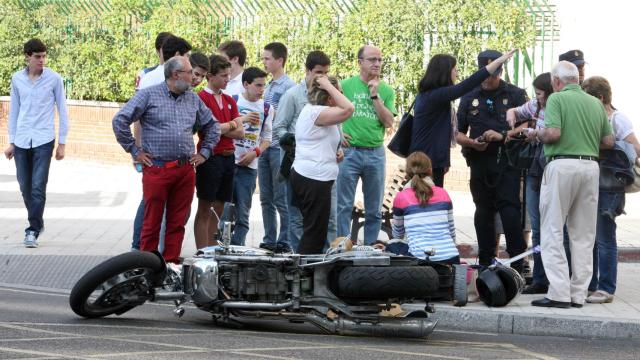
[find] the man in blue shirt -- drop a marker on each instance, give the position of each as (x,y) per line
(35,90)
(273,193)
(167,113)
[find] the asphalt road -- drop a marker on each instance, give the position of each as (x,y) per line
(38,324)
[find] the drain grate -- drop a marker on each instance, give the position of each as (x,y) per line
(51,271)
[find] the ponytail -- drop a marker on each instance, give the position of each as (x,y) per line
(422,188)
(419,171)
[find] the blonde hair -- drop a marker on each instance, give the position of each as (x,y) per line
(417,168)
(318,96)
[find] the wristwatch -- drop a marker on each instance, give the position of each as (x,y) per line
(374,97)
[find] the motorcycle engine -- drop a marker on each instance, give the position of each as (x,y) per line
(201,280)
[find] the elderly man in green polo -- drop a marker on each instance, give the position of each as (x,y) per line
(576,127)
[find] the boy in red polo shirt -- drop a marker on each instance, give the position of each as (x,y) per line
(214,178)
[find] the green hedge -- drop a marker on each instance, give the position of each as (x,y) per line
(100,54)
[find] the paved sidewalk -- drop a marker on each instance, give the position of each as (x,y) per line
(90,211)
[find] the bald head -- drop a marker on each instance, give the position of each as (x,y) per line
(370,61)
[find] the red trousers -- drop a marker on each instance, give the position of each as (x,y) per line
(171,188)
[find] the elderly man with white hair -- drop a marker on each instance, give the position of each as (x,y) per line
(576,127)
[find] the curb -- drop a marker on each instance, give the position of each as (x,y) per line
(625,254)
(452,318)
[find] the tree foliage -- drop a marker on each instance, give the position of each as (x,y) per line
(99,55)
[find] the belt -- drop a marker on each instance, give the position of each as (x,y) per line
(579,157)
(170,164)
(365,147)
(227,152)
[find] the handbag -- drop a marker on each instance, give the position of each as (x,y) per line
(520,153)
(635,185)
(401,141)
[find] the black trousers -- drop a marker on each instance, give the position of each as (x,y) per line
(496,188)
(313,198)
(438,177)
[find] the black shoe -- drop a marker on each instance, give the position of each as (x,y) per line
(576,305)
(544,302)
(535,289)
(270,247)
(283,248)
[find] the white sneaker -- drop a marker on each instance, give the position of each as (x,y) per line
(600,297)
(176,268)
(30,240)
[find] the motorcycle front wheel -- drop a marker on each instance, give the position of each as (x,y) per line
(117,285)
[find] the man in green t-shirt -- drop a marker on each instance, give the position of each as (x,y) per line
(364,155)
(576,127)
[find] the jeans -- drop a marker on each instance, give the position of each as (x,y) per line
(273,195)
(533,207)
(32,171)
(243,189)
(368,164)
(137,228)
(605,249)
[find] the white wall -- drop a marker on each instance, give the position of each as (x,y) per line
(607,32)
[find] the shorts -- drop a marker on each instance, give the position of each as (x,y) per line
(214,178)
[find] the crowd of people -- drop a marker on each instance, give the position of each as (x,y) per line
(307,145)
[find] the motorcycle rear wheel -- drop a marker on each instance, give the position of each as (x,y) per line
(117,285)
(387,282)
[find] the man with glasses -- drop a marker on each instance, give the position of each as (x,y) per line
(364,153)
(495,186)
(167,113)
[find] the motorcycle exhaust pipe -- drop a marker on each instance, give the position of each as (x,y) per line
(254,259)
(246,305)
(384,327)
(169,296)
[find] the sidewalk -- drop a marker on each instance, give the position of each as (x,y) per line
(90,211)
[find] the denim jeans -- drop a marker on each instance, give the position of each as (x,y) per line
(32,171)
(368,164)
(273,196)
(605,249)
(533,207)
(137,228)
(243,188)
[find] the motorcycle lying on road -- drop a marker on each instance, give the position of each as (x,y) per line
(343,292)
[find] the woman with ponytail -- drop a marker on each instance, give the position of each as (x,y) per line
(423,213)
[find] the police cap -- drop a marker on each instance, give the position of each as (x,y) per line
(486,57)
(574,56)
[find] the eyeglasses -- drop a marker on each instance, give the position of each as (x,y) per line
(372,59)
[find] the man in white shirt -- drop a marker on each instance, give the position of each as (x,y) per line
(257,138)
(35,91)
(236,54)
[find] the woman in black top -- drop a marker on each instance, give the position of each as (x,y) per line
(434,124)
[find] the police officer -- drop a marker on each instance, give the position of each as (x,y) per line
(495,186)
(576,57)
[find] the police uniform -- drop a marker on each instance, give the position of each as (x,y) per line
(495,186)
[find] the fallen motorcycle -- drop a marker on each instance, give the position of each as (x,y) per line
(344,292)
